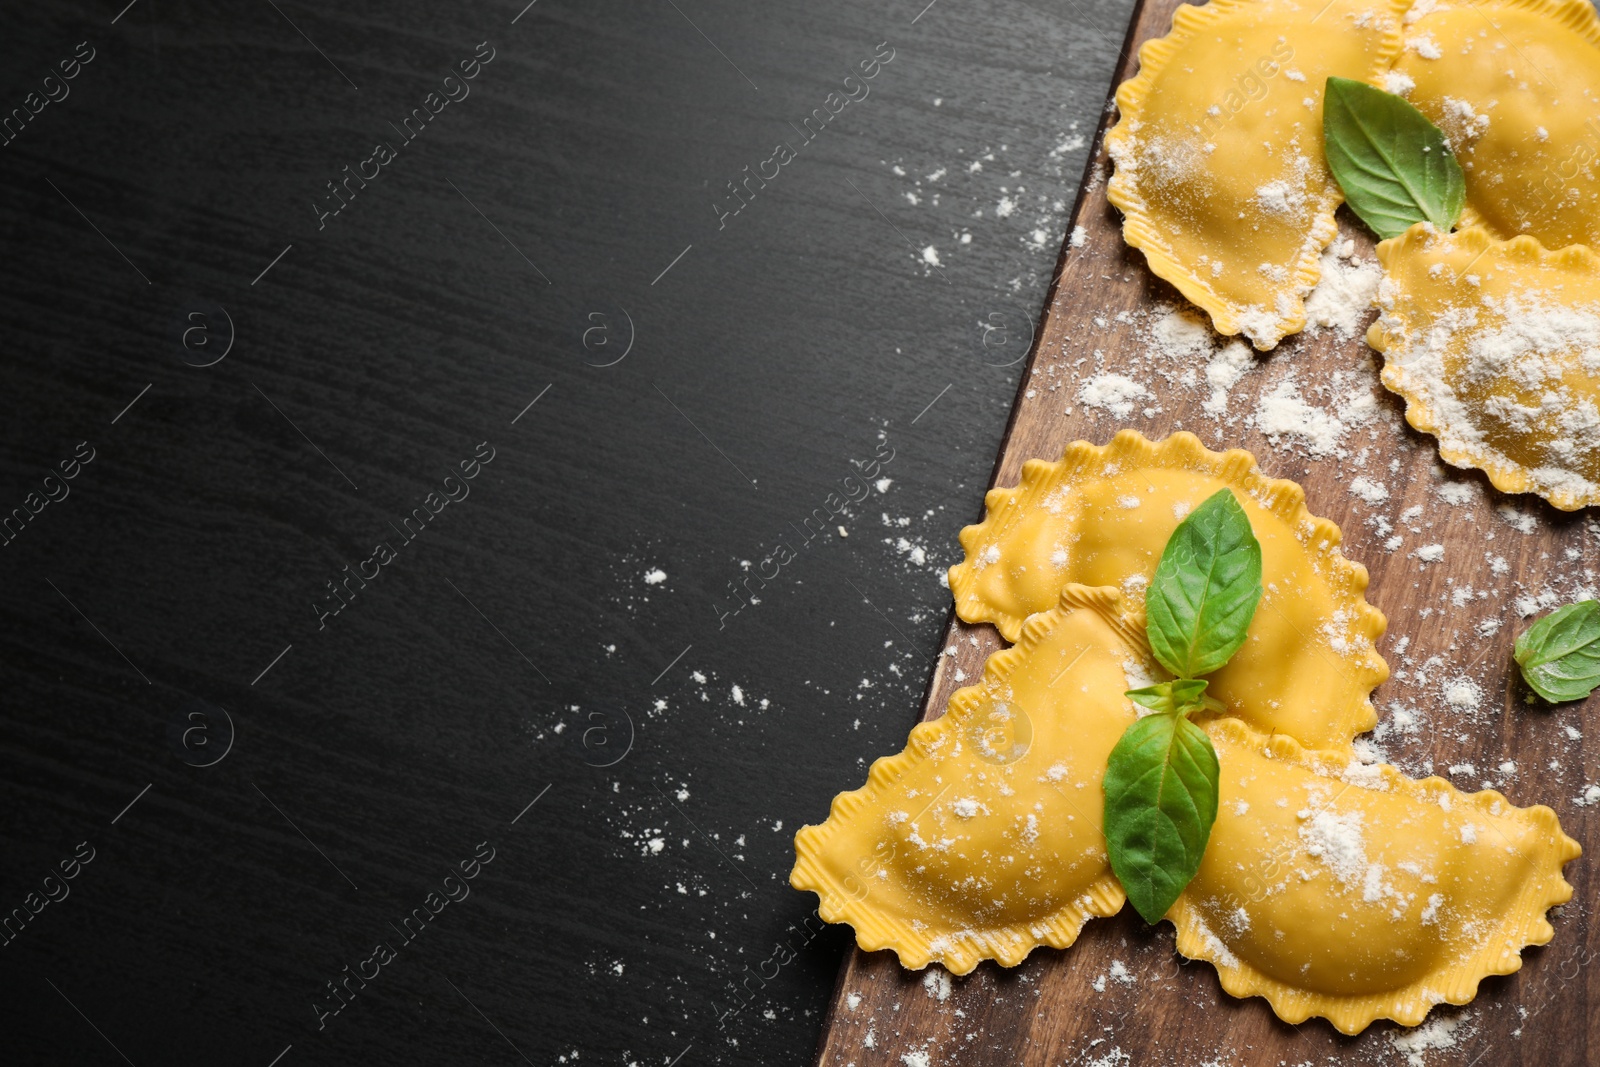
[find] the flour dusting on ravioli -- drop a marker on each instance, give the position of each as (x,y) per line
(1220,172)
(1515,85)
(1310,664)
(1496,347)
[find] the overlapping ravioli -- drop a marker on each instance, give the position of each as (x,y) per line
(1496,347)
(982,840)
(1219,166)
(1348,891)
(1330,887)
(1102,516)
(1515,85)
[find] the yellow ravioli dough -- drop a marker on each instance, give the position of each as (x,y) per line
(1330,887)
(1346,890)
(1219,167)
(1102,516)
(1515,85)
(1496,347)
(982,840)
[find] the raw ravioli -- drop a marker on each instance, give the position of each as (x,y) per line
(1219,167)
(1101,516)
(1349,891)
(982,839)
(1495,346)
(1330,887)
(1515,85)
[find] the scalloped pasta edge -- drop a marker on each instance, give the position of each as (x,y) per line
(1319,537)
(1579,16)
(1138,231)
(1008,945)
(1524,924)
(1504,474)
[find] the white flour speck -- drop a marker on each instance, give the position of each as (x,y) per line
(1114,393)
(1442,1032)
(1372,492)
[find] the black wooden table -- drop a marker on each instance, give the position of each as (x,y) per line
(475,479)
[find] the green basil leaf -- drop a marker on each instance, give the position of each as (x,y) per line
(1560,654)
(1172,698)
(1205,589)
(1161,799)
(1395,167)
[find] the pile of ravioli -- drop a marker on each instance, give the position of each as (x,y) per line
(1491,333)
(1330,886)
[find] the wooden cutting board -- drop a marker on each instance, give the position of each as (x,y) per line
(1121,995)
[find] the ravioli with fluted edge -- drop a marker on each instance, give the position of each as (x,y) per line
(1220,172)
(982,839)
(1330,887)
(1346,890)
(1102,515)
(1495,346)
(1515,85)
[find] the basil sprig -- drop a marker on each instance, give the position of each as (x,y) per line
(1560,654)
(1161,782)
(1395,166)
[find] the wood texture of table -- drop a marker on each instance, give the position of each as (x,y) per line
(1073,1007)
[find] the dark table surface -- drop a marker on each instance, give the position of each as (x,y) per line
(691,596)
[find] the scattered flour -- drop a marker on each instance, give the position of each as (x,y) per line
(1442,1032)
(1177,333)
(1118,972)
(1398,82)
(1463,693)
(1372,492)
(1343,297)
(1519,521)
(966,808)
(1284,413)
(1114,393)
(1223,373)
(1461,121)
(1338,841)
(1219,951)
(1419,9)
(1522,348)
(1114,1057)
(1281,198)
(1425,46)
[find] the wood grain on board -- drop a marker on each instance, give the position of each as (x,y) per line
(1121,994)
